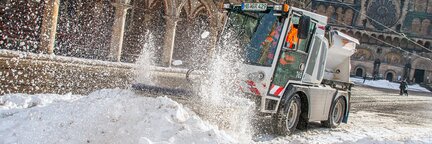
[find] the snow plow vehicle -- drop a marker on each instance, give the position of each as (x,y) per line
(296,67)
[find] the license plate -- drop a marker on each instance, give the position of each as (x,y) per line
(254,6)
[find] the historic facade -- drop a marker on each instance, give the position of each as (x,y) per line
(187,30)
(381,27)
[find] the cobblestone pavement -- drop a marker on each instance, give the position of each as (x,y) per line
(415,108)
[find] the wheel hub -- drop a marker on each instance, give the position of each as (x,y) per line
(292,114)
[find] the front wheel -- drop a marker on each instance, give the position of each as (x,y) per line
(287,118)
(336,114)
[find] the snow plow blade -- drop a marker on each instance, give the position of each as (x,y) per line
(170,81)
(161,90)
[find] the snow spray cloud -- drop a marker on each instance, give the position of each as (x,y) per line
(221,99)
(145,62)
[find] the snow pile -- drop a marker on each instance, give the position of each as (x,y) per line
(20,101)
(106,116)
(387,85)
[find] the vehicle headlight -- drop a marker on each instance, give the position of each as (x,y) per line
(256,76)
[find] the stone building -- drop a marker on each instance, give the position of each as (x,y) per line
(187,30)
(381,27)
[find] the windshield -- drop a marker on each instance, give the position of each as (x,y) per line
(257,34)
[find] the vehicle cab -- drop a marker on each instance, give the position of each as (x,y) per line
(280,45)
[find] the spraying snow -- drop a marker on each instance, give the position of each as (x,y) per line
(205,34)
(146,60)
(221,101)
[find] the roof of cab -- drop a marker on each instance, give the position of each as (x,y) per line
(320,18)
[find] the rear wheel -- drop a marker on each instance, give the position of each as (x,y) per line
(336,114)
(287,118)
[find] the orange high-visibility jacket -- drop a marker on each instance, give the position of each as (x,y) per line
(292,36)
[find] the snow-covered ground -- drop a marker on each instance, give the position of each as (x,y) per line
(106,116)
(387,85)
(366,128)
(122,116)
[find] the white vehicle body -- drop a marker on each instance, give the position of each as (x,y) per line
(320,66)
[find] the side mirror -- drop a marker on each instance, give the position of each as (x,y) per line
(303,28)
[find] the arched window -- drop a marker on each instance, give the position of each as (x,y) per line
(396,42)
(359,72)
(348,16)
(339,15)
(427,45)
(419,44)
(365,38)
(425,27)
(404,43)
(321,10)
(420,5)
(373,40)
(330,11)
(381,40)
(358,35)
(388,39)
(429,8)
(415,25)
(389,76)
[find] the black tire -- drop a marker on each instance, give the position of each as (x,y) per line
(336,114)
(284,122)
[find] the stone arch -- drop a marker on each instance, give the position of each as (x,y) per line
(412,45)
(360,71)
(156,4)
(393,58)
(425,26)
(339,15)
(365,38)
(420,5)
(349,13)
(416,25)
(358,35)
(421,63)
(329,12)
(373,38)
(321,9)
(390,75)
(343,31)
(404,43)
(388,39)
(193,8)
(350,33)
(429,8)
(419,44)
(427,44)
(396,41)
(363,54)
(381,40)
(189,47)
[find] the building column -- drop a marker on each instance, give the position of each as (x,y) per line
(49,26)
(216,26)
(170,32)
(121,7)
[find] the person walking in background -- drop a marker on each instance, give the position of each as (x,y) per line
(364,78)
(403,88)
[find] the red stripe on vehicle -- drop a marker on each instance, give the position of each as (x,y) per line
(278,91)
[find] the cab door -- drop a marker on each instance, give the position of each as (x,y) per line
(291,60)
